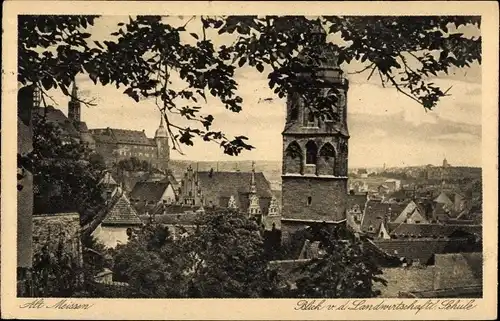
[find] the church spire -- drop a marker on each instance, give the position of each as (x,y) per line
(74,110)
(161,131)
(254,204)
(253,187)
(74,91)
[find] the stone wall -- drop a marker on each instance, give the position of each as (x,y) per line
(51,230)
(328,198)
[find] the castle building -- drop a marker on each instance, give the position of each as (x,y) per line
(119,144)
(315,150)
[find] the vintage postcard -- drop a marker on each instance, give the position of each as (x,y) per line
(249,160)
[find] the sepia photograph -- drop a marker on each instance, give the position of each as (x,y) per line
(250,156)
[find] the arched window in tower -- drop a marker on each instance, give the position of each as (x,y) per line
(326,161)
(311,153)
(293,158)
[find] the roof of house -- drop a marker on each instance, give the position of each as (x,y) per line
(233,183)
(410,209)
(121,136)
(444,198)
(422,249)
(149,191)
(375,212)
(108,180)
(122,213)
(432,230)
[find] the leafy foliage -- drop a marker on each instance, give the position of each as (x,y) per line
(56,273)
(132,164)
(152,264)
(222,258)
(345,271)
(64,176)
(147,52)
(228,257)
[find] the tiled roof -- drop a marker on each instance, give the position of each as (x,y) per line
(121,136)
(411,209)
(122,213)
(103,137)
(124,136)
(148,191)
(375,212)
(232,183)
(432,230)
(422,249)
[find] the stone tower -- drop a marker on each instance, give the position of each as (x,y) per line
(163,149)
(74,108)
(315,147)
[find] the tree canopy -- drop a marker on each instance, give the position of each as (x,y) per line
(65,175)
(146,54)
(223,257)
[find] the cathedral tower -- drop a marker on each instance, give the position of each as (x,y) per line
(315,147)
(74,108)
(163,149)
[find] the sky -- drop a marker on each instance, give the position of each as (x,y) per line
(385,126)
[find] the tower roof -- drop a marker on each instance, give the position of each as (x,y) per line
(161,131)
(74,91)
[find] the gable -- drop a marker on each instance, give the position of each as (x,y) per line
(417,217)
(122,213)
(408,210)
(168,194)
(443,199)
(383,233)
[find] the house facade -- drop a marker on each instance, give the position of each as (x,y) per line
(247,192)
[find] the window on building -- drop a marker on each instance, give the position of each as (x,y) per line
(311,152)
(309,200)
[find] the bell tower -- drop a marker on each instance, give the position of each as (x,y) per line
(74,108)
(162,147)
(315,144)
